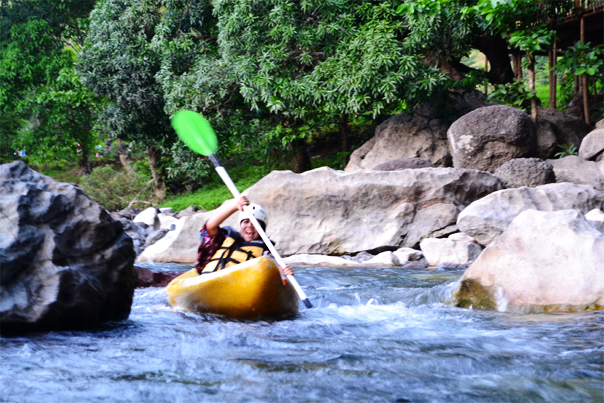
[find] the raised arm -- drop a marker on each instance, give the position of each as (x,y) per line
(225,212)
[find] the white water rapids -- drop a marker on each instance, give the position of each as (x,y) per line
(378,335)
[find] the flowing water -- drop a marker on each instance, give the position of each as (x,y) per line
(374,335)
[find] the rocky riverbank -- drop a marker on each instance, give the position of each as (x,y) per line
(529,228)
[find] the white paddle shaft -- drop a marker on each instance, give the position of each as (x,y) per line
(229,183)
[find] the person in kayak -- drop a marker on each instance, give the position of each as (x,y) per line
(223,247)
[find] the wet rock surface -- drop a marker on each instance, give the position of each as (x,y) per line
(543,262)
(66,263)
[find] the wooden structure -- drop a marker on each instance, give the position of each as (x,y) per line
(584,23)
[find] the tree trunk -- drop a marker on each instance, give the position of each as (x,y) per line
(517,60)
(344,137)
(301,159)
(586,98)
(531,72)
(495,49)
(122,150)
(85,161)
(154,156)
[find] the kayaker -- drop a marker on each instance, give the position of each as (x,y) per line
(223,247)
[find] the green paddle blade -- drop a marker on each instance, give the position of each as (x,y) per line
(195,131)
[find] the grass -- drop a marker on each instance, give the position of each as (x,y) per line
(215,192)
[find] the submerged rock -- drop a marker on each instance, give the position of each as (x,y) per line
(65,262)
(543,262)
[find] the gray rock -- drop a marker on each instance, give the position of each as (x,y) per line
(576,170)
(128,213)
(189,211)
(155,236)
(596,218)
(488,217)
(438,251)
(525,172)
(404,163)
(137,232)
(331,212)
(567,128)
(166,210)
(148,217)
(542,262)
(403,137)
(592,145)
(417,265)
(384,259)
(66,264)
(362,257)
(408,255)
(488,137)
(546,140)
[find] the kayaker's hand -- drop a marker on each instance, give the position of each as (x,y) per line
(288,270)
(242,201)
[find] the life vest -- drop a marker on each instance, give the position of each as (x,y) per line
(234,250)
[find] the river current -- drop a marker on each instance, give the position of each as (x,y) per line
(375,335)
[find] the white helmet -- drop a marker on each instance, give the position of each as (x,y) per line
(257,211)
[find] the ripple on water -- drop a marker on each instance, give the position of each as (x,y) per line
(375,335)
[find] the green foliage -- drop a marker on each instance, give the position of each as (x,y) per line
(514,94)
(114,190)
(46,111)
(567,149)
(582,59)
(535,39)
(215,192)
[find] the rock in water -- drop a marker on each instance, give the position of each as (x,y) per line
(488,137)
(333,212)
(543,262)
(66,264)
(487,218)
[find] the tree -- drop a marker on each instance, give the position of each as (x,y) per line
(301,60)
(47,111)
(119,62)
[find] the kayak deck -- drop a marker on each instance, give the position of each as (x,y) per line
(249,290)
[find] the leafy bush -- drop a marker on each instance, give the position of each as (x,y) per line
(114,190)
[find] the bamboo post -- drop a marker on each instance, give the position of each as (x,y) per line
(486,82)
(585,79)
(552,76)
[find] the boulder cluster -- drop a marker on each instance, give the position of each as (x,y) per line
(486,194)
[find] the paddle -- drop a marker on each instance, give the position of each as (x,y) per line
(195,131)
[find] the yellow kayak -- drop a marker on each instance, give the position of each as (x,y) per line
(249,290)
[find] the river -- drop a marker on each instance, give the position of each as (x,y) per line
(375,335)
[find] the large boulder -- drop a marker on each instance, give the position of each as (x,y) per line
(66,264)
(577,170)
(592,146)
(568,129)
(403,137)
(525,172)
(543,262)
(488,217)
(333,212)
(488,137)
